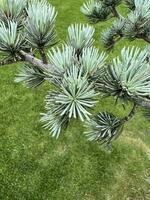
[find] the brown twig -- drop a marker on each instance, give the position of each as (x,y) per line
(115,12)
(43,55)
(130,115)
(8,62)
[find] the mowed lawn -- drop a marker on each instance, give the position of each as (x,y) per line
(35,166)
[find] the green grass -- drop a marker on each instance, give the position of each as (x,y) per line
(34,166)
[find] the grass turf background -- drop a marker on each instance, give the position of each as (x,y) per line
(34,166)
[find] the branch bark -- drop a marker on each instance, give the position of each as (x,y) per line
(115,12)
(139,102)
(147,39)
(144,102)
(36,62)
(43,55)
(130,115)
